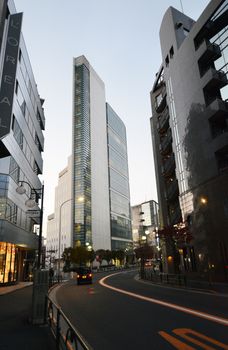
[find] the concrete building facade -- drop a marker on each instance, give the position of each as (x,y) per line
(190,136)
(59,224)
(22,123)
(145,223)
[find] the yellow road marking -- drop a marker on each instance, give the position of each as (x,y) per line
(196,313)
(175,342)
(183,333)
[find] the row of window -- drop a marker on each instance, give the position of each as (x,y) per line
(19,137)
(27,116)
(116,142)
(29,88)
(115,122)
(117,162)
(119,204)
(118,182)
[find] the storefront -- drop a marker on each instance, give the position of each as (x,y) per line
(8,263)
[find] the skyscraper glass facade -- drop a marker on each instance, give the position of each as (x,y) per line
(81,157)
(121,235)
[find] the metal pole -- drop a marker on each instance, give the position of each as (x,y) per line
(41,228)
(60,209)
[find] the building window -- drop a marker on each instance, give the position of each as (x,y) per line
(185,31)
(18,135)
(171,52)
(14,170)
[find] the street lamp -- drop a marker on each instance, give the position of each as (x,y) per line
(31,202)
(60,210)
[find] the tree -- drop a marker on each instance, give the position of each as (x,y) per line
(108,255)
(67,259)
(77,256)
(144,252)
(175,236)
(100,254)
(119,255)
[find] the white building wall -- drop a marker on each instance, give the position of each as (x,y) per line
(60,226)
(99,165)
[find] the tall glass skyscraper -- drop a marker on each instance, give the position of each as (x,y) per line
(99,155)
(121,235)
(99,196)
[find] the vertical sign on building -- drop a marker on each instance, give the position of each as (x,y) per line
(9,72)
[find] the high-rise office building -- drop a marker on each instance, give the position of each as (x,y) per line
(91,207)
(190,136)
(120,215)
(59,223)
(100,199)
(21,144)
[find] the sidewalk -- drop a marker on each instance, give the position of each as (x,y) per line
(15,329)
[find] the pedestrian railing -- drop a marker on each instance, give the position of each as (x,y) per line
(164,278)
(67,338)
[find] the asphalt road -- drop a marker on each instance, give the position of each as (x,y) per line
(109,319)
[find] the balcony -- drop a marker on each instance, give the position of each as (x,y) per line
(172,190)
(214,80)
(211,28)
(169,166)
(160,103)
(220,141)
(208,53)
(217,110)
(163,121)
(166,143)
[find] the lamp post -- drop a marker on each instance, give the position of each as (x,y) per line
(39,192)
(60,210)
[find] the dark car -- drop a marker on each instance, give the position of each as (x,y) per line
(84,275)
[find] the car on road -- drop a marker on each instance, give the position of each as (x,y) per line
(84,275)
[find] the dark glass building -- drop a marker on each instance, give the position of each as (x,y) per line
(121,235)
(21,144)
(190,137)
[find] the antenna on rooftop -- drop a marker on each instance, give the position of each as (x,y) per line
(182,9)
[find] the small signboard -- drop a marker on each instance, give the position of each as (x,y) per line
(33,213)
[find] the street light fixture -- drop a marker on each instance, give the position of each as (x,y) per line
(60,210)
(31,202)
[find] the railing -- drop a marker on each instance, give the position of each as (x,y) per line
(164,278)
(67,338)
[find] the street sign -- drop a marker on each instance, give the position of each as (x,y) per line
(33,213)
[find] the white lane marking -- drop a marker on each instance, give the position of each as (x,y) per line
(164,303)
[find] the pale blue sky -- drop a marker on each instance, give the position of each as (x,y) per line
(120,38)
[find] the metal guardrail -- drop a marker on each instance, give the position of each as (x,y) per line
(164,278)
(67,338)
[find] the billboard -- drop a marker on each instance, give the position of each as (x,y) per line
(9,72)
